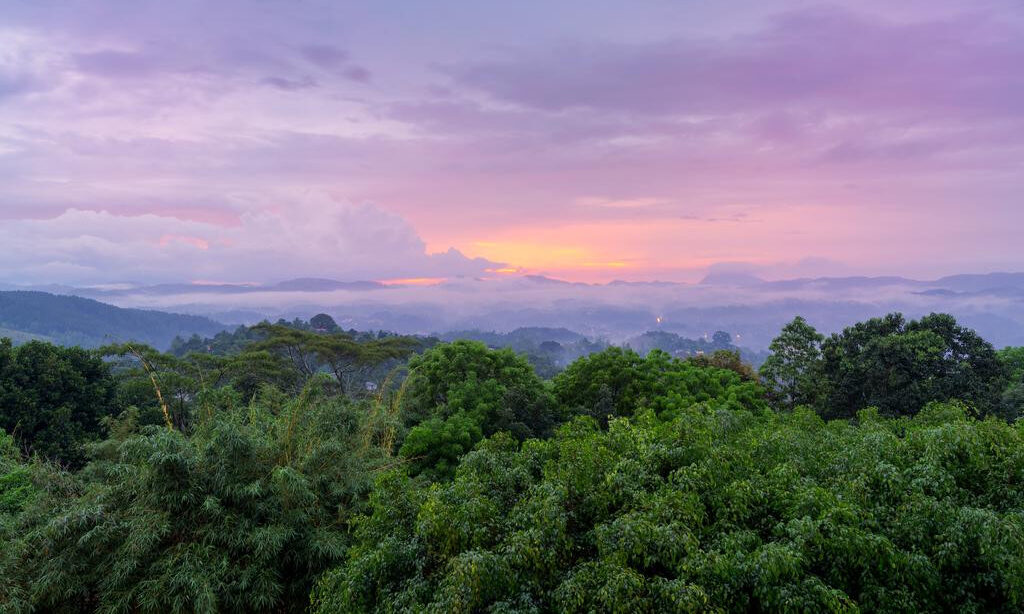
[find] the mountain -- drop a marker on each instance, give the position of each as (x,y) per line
(72,320)
(305,284)
(839,284)
(982,283)
(749,307)
(314,284)
(731,279)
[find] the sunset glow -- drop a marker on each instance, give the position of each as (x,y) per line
(649,141)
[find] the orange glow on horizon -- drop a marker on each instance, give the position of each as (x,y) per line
(606,265)
(663,248)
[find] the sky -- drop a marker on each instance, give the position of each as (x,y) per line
(256,141)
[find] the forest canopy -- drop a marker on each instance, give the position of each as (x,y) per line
(296,465)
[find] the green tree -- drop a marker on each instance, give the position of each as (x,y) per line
(240,516)
(792,373)
(458,392)
(52,399)
(900,366)
(1013,359)
(338,353)
(726,359)
(322,322)
(607,383)
(30,493)
(619,382)
(722,511)
(1012,401)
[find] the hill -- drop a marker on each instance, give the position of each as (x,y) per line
(71,320)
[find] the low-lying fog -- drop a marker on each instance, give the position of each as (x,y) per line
(751,309)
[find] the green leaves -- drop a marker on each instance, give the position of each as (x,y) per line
(53,399)
(618,382)
(900,366)
(241,515)
(721,510)
(457,393)
(792,373)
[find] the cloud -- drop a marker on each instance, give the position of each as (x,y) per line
(666,136)
(121,64)
(290,85)
(276,239)
(13,84)
(828,58)
(357,73)
(324,56)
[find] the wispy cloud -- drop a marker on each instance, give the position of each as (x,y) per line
(666,136)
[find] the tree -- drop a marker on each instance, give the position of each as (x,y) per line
(457,393)
(345,357)
(292,344)
(323,323)
(338,352)
(792,373)
(612,381)
(1012,402)
(711,511)
(721,340)
(52,399)
(900,366)
(1013,360)
(726,359)
(240,516)
(619,382)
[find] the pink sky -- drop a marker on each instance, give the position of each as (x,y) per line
(257,141)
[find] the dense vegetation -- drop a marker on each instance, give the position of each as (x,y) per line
(72,320)
(295,465)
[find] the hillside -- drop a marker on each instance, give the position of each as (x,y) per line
(71,320)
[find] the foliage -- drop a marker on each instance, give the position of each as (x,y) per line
(899,366)
(1013,359)
(726,359)
(1012,401)
(322,322)
(549,350)
(53,398)
(240,516)
(792,373)
(338,353)
(458,392)
(723,510)
(619,382)
(30,492)
(15,485)
(675,345)
(257,466)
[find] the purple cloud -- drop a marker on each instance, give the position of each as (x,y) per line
(832,59)
(357,73)
(120,64)
(665,117)
(290,85)
(324,56)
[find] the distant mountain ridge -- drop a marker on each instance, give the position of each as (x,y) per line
(73,320)
(303,284)
(753,308)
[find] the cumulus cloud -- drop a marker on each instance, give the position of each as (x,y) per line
(311,236)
